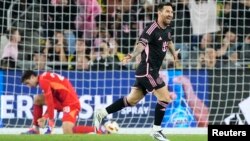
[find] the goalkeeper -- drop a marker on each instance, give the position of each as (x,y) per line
(59,94)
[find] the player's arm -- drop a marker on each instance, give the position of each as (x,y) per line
(143,41)
(44,84)
(172,50)
(137,50)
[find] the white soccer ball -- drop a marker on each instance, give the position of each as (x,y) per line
(112,127)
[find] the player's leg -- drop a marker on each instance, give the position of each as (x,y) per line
(58,106)
(37,113)
(135,95)
(69,119)
(155,84)
(163,99)
(81,129)
(68,127)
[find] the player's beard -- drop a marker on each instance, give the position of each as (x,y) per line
(167,21)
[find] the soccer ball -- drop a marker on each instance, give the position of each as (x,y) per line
(111,127)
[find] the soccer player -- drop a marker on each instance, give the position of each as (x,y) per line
(154,42)
(59,94)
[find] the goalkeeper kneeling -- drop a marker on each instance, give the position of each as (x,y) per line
(58,94)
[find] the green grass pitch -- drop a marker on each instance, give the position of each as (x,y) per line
(92,137)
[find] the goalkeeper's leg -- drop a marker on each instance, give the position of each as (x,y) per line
(81,129)
(69,119)
(37,113)
(132,99)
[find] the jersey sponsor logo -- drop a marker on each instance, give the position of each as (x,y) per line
(164,46)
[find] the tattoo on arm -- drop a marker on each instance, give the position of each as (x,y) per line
(138,49)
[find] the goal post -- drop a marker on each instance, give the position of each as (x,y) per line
(99,89)
(223,100)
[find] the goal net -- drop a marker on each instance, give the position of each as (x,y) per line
(85,41)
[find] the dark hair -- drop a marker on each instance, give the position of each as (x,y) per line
(27,74)
(161,5)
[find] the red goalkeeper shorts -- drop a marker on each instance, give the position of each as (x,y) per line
(70,113)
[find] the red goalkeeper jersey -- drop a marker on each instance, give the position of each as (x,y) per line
(57,89)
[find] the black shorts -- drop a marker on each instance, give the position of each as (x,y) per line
(149,83)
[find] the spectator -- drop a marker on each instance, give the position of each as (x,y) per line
(229,49)
(48,44)
(182,30)
(225,20)
(80,58)
(203,16)
(207,59)
(40,61)
(245,51)
(101,59)
(126,26)
(85,20)
(105,35)
(182,23)
(59,38)
(105,26)
(4,6)
(11,49)
(63,14)
(56,51)
(147,14)
(240,16)
(26,16)
(196,55)
(206,42)
(3,42)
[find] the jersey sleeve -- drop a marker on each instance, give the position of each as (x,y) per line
(145,37)
(45,86)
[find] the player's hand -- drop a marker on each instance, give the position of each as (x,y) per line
(176,60)
(176,54)
(126,59)
(41,122)
(51,123)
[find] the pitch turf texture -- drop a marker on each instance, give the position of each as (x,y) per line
(98,138)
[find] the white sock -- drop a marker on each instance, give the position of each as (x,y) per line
(156,128)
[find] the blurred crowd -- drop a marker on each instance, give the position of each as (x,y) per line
(97,34)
